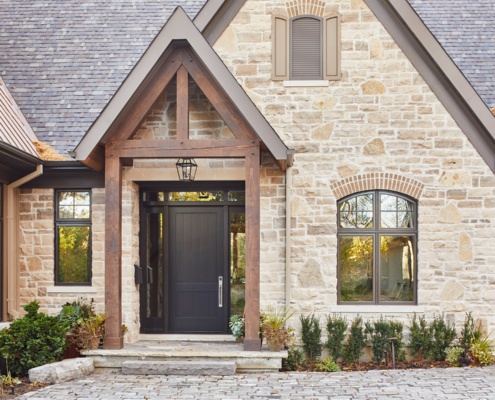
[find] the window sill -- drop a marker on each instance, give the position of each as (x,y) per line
(306,83)
(70,289)
(364,309)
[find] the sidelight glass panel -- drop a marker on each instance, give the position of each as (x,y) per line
(73,254)
(155,266)
(396,268)
(356,268)
(237,262)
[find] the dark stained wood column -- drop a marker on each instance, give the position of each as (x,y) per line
(182,104)
(252,340)
(113,252)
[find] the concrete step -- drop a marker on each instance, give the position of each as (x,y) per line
(180,367)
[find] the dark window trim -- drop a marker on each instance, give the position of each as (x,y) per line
(73,222)
(377,232)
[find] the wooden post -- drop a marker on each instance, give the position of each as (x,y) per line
(113,252)
(182,104)
(252,340)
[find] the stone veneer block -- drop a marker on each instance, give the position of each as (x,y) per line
(181,367)
(62,371)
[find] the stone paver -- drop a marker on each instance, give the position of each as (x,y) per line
(451,383)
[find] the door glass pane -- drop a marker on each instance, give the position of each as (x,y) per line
(396,268)
(155,266)
(237,262)
(73,254)
(356,268)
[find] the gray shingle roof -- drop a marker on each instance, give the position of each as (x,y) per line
(466,30)
(63,60)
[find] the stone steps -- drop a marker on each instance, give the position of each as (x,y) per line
(179,367)
(179,352)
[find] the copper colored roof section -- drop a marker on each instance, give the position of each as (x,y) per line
(14,128)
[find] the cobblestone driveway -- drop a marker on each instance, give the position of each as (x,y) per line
(452,383)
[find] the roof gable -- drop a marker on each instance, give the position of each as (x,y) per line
(179,28)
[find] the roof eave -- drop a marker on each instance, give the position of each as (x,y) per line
(439,71)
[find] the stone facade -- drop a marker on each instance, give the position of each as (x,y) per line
(37,252)
(379,118)
(379,126)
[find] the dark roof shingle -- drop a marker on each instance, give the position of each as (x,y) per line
(63,60)
(466,30)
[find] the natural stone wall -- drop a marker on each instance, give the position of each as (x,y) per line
(380,118)
(37,252)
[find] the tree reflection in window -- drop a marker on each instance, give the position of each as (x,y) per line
(73,237)
(377,237)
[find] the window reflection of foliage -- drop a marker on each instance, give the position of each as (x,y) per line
(357,212)
(356,268)
(237,262)
(73,237)
(391,269)
(73,256)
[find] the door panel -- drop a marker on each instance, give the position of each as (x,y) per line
(196,261)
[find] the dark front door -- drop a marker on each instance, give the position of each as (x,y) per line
(197,270)
(192,259)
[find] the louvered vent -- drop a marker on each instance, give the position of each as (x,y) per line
(306,44)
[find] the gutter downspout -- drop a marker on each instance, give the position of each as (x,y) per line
(288,215)
(11,274)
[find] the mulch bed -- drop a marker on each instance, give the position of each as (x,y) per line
(24,387)
(398,365)
(369,366)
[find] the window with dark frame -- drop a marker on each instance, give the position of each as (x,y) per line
(377,236)
(73,237)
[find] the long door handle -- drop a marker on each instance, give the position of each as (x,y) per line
(220,291)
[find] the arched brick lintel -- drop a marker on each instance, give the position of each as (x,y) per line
(377,180)
(305,7)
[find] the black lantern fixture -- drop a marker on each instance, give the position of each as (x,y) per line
(186,169)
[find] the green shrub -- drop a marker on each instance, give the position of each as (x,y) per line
(355,341)
(294,361)
(454,355)
(481,351)
(31,341)
(336,329)
(469,332)
(421,338)
(379,334)
(72,313)
(443,335)
(327,366)
(311,336)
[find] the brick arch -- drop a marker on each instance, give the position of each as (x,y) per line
(305,7)
(377,180)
